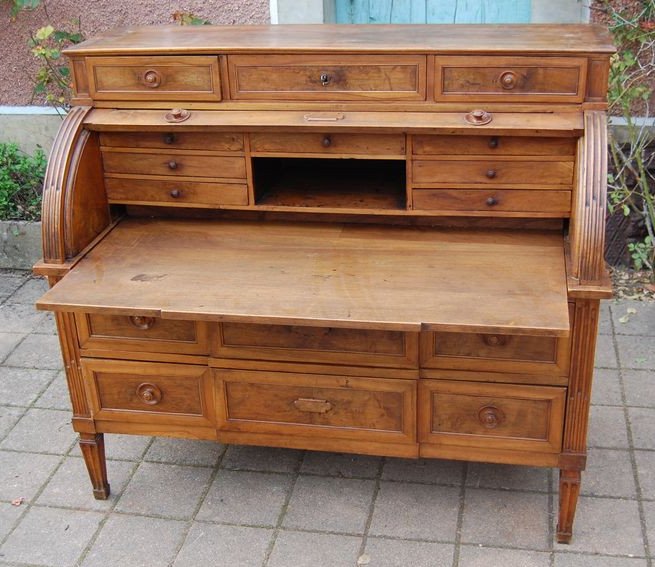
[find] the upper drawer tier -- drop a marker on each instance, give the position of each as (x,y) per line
(154,78)
(327,77)
(519,79)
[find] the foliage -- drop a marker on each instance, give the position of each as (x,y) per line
(189,19)
(21,183)
(18,5)
(632,181)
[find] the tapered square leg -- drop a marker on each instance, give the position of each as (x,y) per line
(569,490)
(93,451)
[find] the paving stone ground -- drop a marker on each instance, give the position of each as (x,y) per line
(185,503)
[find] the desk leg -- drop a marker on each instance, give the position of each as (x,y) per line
(569,489)
(93,450)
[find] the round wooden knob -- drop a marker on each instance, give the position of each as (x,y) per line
(493,143)
(143,323)
(508,80)
(491,416)
(491,173)
(326,142)
(172,164)
(148,393)
(169,138)
(491,201)
(495,340)
(325,79)
(151,79)
(175,193)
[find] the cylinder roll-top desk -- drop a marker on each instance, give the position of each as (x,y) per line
(371,239)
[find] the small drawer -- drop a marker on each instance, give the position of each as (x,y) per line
(491,416)
(327,77)
(493,145)
(493,201)
(517,79)
(178,164)
(212,141)
(154,78)
(150,392)
(493,172)
(328,143)
(317,344)
(133,333)
(137,191)
(496,353)
(373,409)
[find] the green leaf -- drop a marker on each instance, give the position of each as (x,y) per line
(44,32)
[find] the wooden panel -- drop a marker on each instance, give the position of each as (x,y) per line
(328,143)
(545,79)
(501,353)
(493,145)
(326,77)
(138,190)
(503,416)
(215,141)
(149,392)
(317,344)
(149,334)
(493,200)
(169,163)
(494,172)
(154,78)
(320,405)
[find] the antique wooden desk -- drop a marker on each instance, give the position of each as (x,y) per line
(383,240)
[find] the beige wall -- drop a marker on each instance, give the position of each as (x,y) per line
(18,65)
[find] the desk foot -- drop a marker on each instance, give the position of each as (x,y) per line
(569,490)
(92,446)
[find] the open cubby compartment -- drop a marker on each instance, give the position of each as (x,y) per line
(330,183)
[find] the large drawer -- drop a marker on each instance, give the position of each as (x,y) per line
(317,344)
(178,164)
(495,352)
(373,409)
(369,145)
(491,416)
(149,334)
(510,79)
(327,77)
(149,392)
(214,141)
(438,145)
(154,78)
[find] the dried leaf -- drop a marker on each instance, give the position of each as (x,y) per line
(364,559)
(631,310)
(624,319)
(18,501)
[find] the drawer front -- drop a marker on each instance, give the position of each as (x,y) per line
(493,145)
(495,353)
(149,334)
(494,172)
(327,77)
(154,78)
(317,344)
(329,143)
(176,193)
(492,201)
(214,141)
(524,79)
(494,416)
(150,392)
(374,409)
(177,164)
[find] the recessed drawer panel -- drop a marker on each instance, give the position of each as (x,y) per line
(214,141)
(494,352)
(150,392)
(328,143)
(150,334)
(154,78)
(376,409)
(493,145)
(494,78)
(493,201)
(327,77)
(494,172)
(318,344)
(498,416)
(190,165)
(176,193)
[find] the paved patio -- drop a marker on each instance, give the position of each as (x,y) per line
(187,503)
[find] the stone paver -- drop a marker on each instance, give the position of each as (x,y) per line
(196,503)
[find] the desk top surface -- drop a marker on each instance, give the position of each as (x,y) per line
(341,275)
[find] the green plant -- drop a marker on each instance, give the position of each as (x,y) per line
(21,183)
(631,181)
(18,5)
(189,19)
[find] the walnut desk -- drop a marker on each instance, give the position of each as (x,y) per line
(383,240)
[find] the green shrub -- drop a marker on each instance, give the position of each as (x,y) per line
(21,183)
